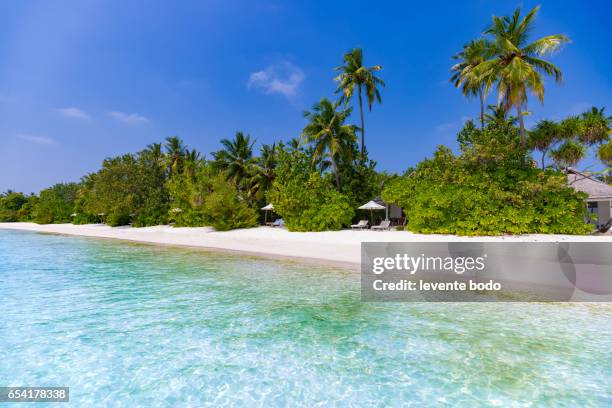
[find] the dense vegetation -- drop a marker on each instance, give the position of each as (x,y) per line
(490,189)
(318,179)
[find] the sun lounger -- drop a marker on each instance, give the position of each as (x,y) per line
(278,223)
(384,225)
(360,225)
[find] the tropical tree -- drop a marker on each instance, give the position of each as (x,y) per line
(353,75)
(464,75)
(517,65)
(545,134)
(331,137)
(236,157)
(568,154)
(175,153)
(191,161)
(262,171)
(596,127)
(604,153)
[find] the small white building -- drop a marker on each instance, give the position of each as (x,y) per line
(600,195)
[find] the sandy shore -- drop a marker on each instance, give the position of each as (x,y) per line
(330,247)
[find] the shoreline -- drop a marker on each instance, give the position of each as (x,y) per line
(329,248)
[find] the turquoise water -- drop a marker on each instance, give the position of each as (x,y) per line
(127,325)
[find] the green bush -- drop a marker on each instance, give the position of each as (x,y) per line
(10,205)
(490,189)
(117,219)
(225,210)
(55,204)
(306,200)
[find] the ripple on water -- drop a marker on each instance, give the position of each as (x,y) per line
(143,326)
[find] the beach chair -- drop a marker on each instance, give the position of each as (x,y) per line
(363,224)
(384,225)
(278,223)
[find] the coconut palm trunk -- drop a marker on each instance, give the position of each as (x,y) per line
(481,95)
(362,124)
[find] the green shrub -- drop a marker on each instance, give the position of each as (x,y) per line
(225,210)
(475,194)
(305,199)
(86,218)
(10,205)
(117,219)
(55,204)
(491,188)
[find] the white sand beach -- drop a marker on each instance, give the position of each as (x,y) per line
(330,247)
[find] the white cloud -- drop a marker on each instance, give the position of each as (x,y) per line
(129,118)
(73,112)
(36,139)
(283,78)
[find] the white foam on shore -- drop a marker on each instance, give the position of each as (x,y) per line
(334,247)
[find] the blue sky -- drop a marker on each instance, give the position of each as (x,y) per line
(83,80)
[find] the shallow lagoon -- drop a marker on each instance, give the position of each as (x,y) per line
(135,325)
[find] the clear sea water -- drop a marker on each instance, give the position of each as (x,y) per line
(127,325)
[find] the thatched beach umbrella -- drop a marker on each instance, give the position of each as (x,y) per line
(372,205)
(267,208)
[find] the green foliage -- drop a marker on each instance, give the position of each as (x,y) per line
(306,200)
(129,184)
(188,192)
(487,191)
(56,203)
(11,204)
(225,209)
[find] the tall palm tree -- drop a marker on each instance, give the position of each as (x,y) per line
(353,75)
(545,134)
(330,136)
(236,157)
(517,66)
(175,153)
(463,73)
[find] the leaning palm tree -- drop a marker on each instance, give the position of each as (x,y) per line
(517,66)
(353,75)
(463,73)
(236,157)
(330,136)
(545,134)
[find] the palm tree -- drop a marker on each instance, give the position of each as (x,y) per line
(175,153)
(545,134)
(596,127)
(191,161)
(517,66)
(568,154)
(464,76)
(263,171)
(330,136)
(235,157)
(353,75)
